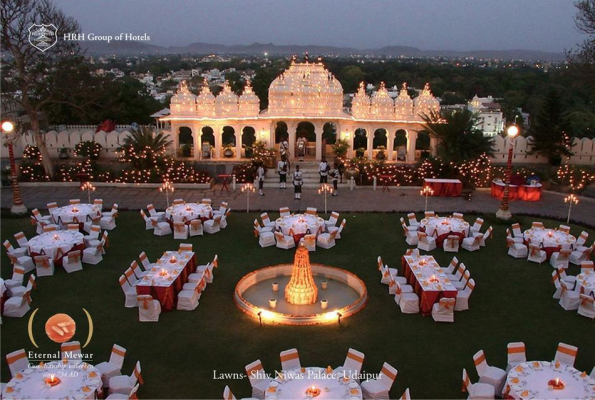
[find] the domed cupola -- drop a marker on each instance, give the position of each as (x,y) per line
(360,105)
(426,103)
(383,106)
(226,104)
(205,102)
(249,102)
(183,102)
(403,104)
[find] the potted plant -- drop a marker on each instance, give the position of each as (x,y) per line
(63,153)
(352,171)
(381,155)
(228,150)
(341,147)
(88,149)
(360,152)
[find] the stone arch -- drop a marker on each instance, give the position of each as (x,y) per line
(307,130)
(380,138)
(329,133)
(207,141)
(185,141)
(281,131)
(360,141)
(248,139)
(228,141)
(400,144)
(423,141)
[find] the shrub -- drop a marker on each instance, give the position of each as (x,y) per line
(88,149)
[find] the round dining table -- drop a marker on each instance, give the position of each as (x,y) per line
(294,384)
(587,281)
(76,213)
(188,212)
(78,380)
(299,224)
(444,226)
(549,238)
(48,243)
(530,380)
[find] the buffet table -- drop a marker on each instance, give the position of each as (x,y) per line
(444,187)
(520,192)
(294,384)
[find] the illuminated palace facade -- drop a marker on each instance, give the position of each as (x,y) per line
(305,92)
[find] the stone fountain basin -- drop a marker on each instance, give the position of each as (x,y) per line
(346,294)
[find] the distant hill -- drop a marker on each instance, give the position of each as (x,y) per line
(138,48)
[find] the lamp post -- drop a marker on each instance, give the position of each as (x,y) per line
(504,212)
(570,199)
(325,189)
(167,187)
(88,186)
(247,188)
(426,191)
(18,207)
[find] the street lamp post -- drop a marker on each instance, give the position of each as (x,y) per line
(426,191)
(504,212)
(247,188)
(325,189)
(18,207)
(570,199)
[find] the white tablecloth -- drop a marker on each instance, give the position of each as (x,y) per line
(444,225)
(66,214)
(49,242)
(296,382)
(189,211)
(299,224)
(424,268)
(530,381)
(549,238)
(172,270)
(587,281)
(79,380)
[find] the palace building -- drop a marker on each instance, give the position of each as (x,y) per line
(302,101)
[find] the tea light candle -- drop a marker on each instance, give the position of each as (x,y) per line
(56,237)
(163,272)
(273,303)
(324,284)
(324,304)
(275,286)
(173,259)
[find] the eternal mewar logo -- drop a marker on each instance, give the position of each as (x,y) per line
(42,36)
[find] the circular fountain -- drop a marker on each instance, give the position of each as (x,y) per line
(300,293)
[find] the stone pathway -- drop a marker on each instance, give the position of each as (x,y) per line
(359,200)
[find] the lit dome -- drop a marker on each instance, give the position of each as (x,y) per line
(425,103)
(382,105)
(183,102)
(205,102)
(306,89)
(360,105)
(249,102)
(227,102)
(403,104)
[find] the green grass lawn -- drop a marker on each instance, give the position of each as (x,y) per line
(512,302)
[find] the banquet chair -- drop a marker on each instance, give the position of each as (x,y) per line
(516,250)
(144,260)
(72,227)
(73,202)
(472,243)
(25,262)
(113,367)
(408,302)
(559,259)
(412,220)
(488,374)
(207,202)
(487,235)
(148,220)
(124,384)
(160,215)
(332,221)
(536,254)
(50,228)
(557,286)
(451,267)
(266,221)
(326,240)
(22,241)
(111,213)
(17,306)
(429,214)
(406,395)
(393,274)
(17,361)
(425,242)
(460,285)
(138,273)
(537,225)
(207,269)
(462,303)
(148,309)
(284,241)
(265,238)
(311,211)
(451,244)
(477,390)
(185,248)
(309,241)
(224,217)
(132,279)
(47,218)
(212,226)
(44,266)
(129,293)
(257,378)
(103,242)
(569,299)
(177,202)
(459,272)
(20,252)
(379,388)
(457,215)
(290,359)
(578,256)
(108,222)
(228,395)
(581,241)
(516,355)
(93,255)
(180,231)
(19,290)
(188,299)
(410,233)
(195,228)
(18,273)
(160,228)
(570,280)
(586,307)
(566,354)
(516,230)
(284,212)
(338,229)
(93,234)
(443,311)
(196,285)
(222,209)
(412,252)
(587,267)
(352,366)
(564,228)
(592,375)
(514,239)
(38,224)
(70,350)
(98,202)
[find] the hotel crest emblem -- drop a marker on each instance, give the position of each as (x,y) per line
(42,36)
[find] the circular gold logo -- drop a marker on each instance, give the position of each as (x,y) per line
(60,328)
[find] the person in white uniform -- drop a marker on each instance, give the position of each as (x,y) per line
(297,183)
(260,177)
(301,147)
(283,169)
(323,169)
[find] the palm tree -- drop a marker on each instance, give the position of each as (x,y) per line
(457,135)
(144,149)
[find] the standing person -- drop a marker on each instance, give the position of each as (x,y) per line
(284,148)
(323,169)
(334,173)
(297,183)
(283,169)
(301,147)
(260,177)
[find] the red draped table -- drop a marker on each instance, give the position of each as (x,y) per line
(428,281)
(517,192)
(165,280)
(444,187)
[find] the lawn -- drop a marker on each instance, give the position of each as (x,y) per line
(180,354)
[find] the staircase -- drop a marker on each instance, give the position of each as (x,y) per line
(310,176)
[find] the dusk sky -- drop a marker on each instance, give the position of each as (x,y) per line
(427,24)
